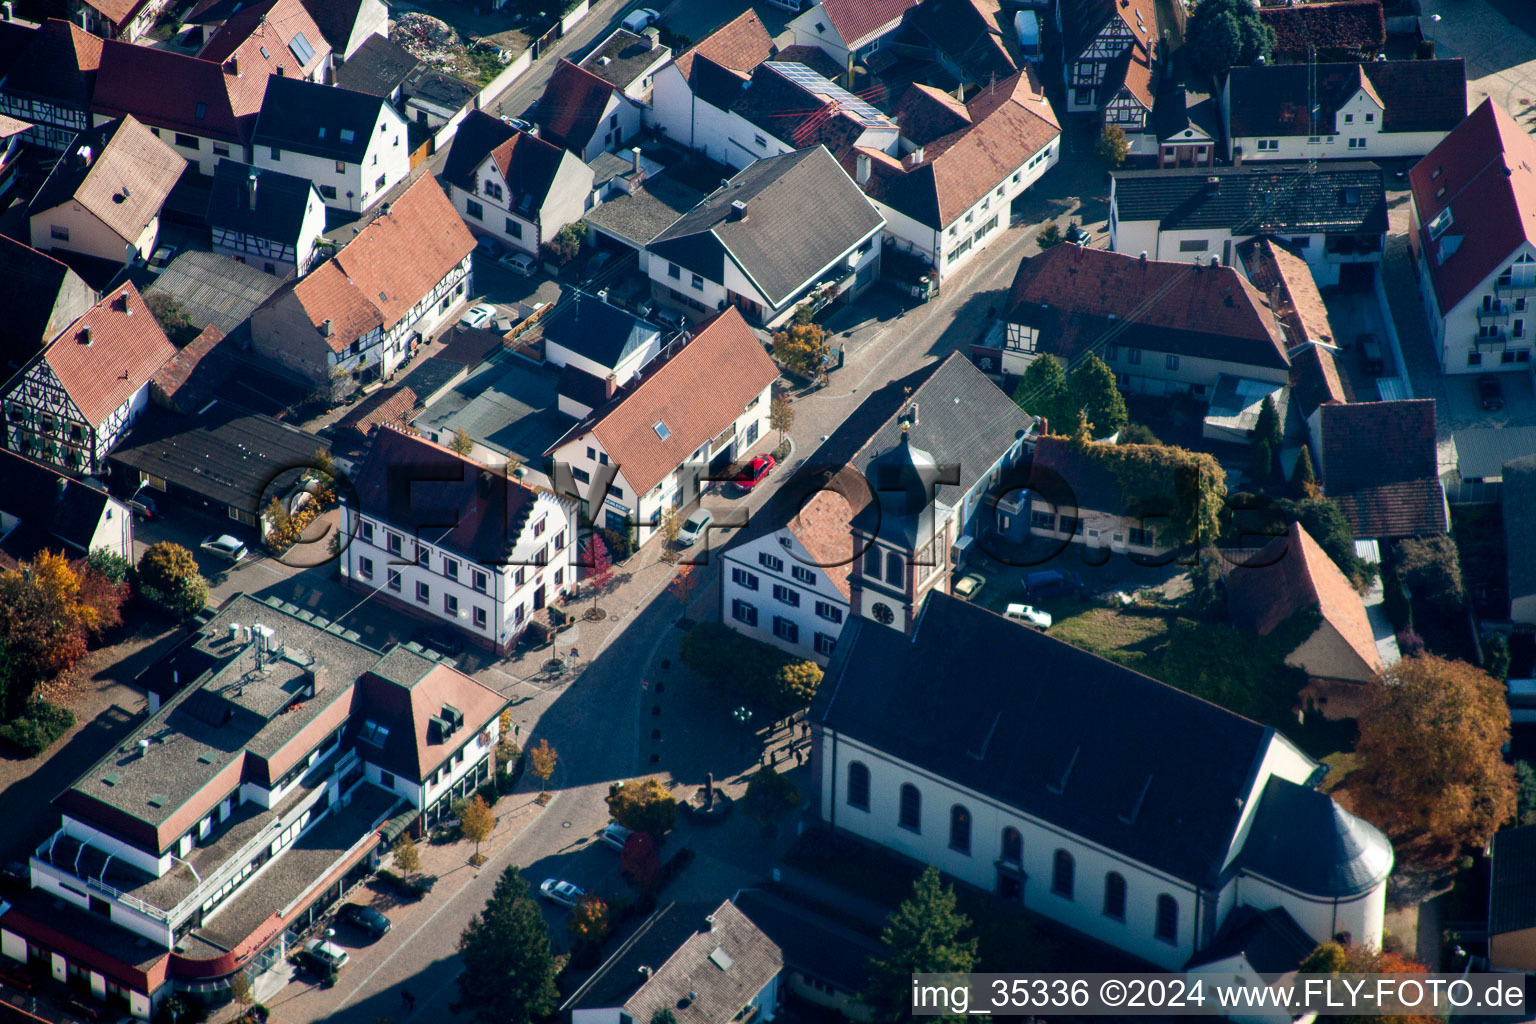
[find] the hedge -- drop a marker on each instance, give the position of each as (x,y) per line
(37,727)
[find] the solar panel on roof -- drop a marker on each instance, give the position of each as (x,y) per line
(846,101)
(301,49)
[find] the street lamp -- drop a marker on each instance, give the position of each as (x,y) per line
(744,716)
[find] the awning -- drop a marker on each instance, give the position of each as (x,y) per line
(396,827)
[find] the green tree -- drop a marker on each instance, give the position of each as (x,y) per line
(1432,772)
(1496,656)
(1043,393)
(1223,34)
(1093,391)
(168,576)
(1207,587)
(407,855)
(1525,793)
(1303,477)
(509,968)
(111,565)
(1267,440)
(770,794)
(240,989)
(1049,235)
(1181,494)
(664,1016)
(1325,521)
(1337,958)
(643,806)
(803,349)
(922,936)
(461,443)
(1113,147)
(795,685)
(172,318)
(1137,433)
(1431,569)
(566,244)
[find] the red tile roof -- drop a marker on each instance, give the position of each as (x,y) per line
(126,182)
(739,45)
(187,380)
(116,11)
(697,393)
(1075,294)
(1331,29)
(270,25)
(856,19)
(571,109)
(1315,380)
(388,266)
(1484,173)
(1004,125)
(813,57)
(1287,282)
(169,90)
(106,356)
(1380,466)
(393,407)
(1293,573)
(821,527)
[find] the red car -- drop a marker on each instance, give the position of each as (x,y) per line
(754,473)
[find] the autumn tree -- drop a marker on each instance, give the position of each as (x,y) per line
(1341,958)
(477,821)
(1304,477)
(1113,147)
(1043,393)
(509,967)
(1093,390)
(643,806)
(541,762)
(922,936)
(1431,568)
(462,443)
(1222,34)
(589,920)
(599,567)
(795,685)
(781,416)
(566,244)
(669,526)
(803,349)
(684,584)
(1432,772)
(49,613)
(407,855)
(639,861)
(240,989)
(168,576)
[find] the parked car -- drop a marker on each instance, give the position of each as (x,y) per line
(442,639)
(79,1006)
(1370,353)
(641,19)
(1489,394)
(143,502)
(366,918)
(564,893)
(224,546)
(1049,583)
(754,473)
(615,835)
(478,316)
(17,872)
(694,527)
(324,956)
(969,585)
(489,246)
(1029,615)
(521,125)
(162,258)
(519,263)
(1077,235)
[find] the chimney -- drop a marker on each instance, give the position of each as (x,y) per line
(917,156)
(282,71)
(85,335)
(1215,260)
(610,385)
(83,154)
(251,188)
(960,92)
(325,328)
(738,210)
(384,210)
(634,157)
(1213,186)
(1143,257)
(234,65)
(861,168)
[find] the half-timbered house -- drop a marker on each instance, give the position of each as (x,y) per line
(74,400)
(49,83)
(364,312)
(1096,36)
(264,218)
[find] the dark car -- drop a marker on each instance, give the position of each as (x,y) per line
(366,918)
(1049,583)
(80,1007)
(444,641)
(17,872)
(489,246)
(1489,394)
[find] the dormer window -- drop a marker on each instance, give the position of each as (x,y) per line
(265,54)
(374,734)
(1441,221)
(348,135)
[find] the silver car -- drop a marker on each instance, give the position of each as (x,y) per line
(564,893)
(226,547)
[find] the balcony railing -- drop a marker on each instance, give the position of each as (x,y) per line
(1496,313)
(1514,288)
(1494,340)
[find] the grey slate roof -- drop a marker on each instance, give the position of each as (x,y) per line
(1270,940)
(310,118)
(32,288)
(1076,741)
(627,56)
(278,210)
(437,88)
(378,68)
(1482,452)
(714,975)
(214,289)
(602,332)
(811,944)
(657,938)
(803,212)
(647,212)
(1257,198)
(1512,887)
(1519,500)
(506,405)
(1302,839)
(51,506)
(478,134)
